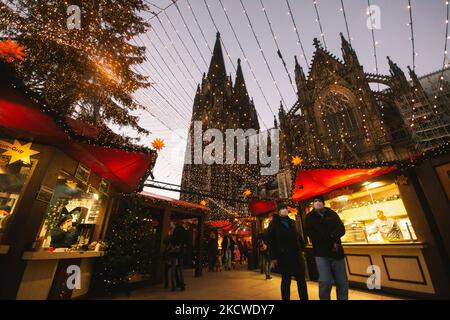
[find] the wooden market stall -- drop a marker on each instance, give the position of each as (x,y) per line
(411,196)
(56,171)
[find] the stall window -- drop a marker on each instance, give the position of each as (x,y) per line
(72,215)
(13,178)
(372,212)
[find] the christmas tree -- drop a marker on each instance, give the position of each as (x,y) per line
(132,247)
(78,56)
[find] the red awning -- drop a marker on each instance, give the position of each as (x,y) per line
(310,183)
(218,224)
(21,118)
(152,197)
(260,207)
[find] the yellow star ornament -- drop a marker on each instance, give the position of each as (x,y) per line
(247,193)
(296,161)
(18,152)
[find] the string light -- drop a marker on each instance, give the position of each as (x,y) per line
(262,52)
(276,44)
(411,25)
(175,61)
(346,22)
(320,23)
(190,34)
(183,44)
(199,28)
(247,61)
(299,41)
(217,30)
(166,79)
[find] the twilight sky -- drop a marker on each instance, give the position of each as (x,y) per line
(175,65)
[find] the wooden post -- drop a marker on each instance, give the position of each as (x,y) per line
(199,261)
(165,223)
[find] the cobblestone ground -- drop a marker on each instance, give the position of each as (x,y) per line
(236,285)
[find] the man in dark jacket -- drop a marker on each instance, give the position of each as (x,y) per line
(177,244)
(286,247)
(325,229)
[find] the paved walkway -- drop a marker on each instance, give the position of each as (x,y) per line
(235,285)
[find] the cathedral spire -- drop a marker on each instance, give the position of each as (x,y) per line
(217,66)
(348,53)
(301,82)
(240,88)
(396,72)
(414,78)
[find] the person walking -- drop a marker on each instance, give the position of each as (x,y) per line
(213,249)
(177,243)
(227,248)
(286,247)
(237,255)
(325,229)
(264,253)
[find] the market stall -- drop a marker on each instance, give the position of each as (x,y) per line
(59,178)
(387,225)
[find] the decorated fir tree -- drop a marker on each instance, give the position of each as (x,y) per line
(78,55)
(132,247)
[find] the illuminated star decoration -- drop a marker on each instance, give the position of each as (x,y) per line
(158,144)
(401,180)
(18,152)
(11,50)
(247,193)
(296,161)
(203,203)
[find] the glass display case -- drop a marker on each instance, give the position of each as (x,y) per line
(72,200)
(372,212)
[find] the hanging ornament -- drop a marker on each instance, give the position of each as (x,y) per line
(11,50)
(203,203)
(17,152)
(158,144)
(297,161)
(247,193)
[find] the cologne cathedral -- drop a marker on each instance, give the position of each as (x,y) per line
(344,115)
(219,104)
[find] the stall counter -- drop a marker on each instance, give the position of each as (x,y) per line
(43,267)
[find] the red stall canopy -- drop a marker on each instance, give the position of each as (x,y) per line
(219,224)
(259,207)
(23,119)
(310,183)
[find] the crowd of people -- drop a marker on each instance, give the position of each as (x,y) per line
(231,253)
(281,247)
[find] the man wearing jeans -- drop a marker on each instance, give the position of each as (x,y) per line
(325,229)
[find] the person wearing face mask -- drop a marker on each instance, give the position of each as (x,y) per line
(325,229)
(286,247)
